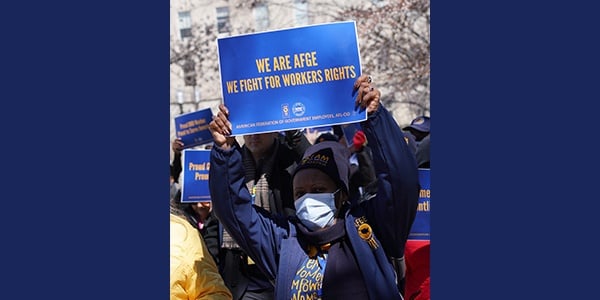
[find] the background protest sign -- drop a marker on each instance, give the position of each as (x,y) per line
(192,128)
(196,164)
(290,79)
(420,229)
(349,131)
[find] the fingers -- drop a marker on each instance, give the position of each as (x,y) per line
(361,134)
(224,110)
(361,90)
(177,145)
(368,95)
(361,79)
(220,128)
(220,123)
(372,100)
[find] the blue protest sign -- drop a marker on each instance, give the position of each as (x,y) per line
(196,164)
(420,229)
(323,129)
(192,128)
(290,79)
(349,131)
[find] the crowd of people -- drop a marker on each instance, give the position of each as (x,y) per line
(295,219)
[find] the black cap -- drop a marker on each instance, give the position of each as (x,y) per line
(329,157)
(327,137)
(420,123)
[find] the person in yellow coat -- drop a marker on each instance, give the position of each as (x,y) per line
(194,274)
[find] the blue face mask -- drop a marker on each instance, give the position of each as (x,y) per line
(316,210)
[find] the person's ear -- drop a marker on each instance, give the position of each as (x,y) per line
(340,198)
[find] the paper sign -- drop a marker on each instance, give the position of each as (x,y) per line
(192,128)
(349,131)
(290,79)
(196,164)
(420,229)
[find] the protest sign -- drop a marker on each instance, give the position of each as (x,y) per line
(291,78)
(420,229)
(196,164)
(192,128)
(349,131)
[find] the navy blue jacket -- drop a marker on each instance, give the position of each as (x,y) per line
(272,242)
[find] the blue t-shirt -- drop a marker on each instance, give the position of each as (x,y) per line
(342,279)
(308,282)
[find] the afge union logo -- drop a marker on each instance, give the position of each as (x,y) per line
(298,109)
(285,110)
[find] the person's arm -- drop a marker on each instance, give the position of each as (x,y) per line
(365,176)
(339,132)
(297,141)
(176,166)
(253,228)
(210,233)
(393,210)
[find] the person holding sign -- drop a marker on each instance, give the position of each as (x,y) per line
(265,159)
(331,248)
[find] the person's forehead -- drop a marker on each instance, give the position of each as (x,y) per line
(312,176)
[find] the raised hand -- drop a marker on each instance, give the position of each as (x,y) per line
(368,95)
(177,146)
(359,140)
(220,128)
